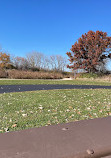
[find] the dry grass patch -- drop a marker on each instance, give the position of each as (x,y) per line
(106,78)
(3,74)
(18,74)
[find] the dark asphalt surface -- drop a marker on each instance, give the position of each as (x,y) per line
(22,88)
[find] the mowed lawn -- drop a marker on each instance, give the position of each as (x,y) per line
(40,81)
(25,110)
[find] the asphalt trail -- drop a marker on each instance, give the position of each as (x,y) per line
(22,88)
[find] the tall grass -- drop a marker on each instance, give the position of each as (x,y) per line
(3,74)
(28,74)
(105,78)
(22,74)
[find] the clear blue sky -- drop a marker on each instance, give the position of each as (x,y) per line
(50,26)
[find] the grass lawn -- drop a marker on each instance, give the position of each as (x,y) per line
(33,81)
(41,108)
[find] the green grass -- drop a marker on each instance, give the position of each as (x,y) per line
(25,110)
(76,82)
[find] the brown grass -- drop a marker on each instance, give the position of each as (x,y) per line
(22,74)
(3,74)
(105,78)
(18,74)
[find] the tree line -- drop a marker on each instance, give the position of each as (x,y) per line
(34,61)
(91,53)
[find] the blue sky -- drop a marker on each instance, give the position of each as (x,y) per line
(50,26)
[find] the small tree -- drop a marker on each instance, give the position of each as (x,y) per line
(87,53)
(4,60)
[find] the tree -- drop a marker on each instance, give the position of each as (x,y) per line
(53,62)
(87,52)
(61,63)
(20,63)
(4,60)
(35,59)
(58,63)
(46,63)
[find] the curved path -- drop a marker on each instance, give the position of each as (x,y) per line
(22,88)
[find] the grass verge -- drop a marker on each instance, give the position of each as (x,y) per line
(35,82)
(25,110)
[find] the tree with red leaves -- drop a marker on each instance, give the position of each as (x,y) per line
(88,52)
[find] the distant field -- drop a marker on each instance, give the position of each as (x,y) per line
(74,82)
(25,110)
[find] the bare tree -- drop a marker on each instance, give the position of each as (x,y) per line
(58,62)
(35,59)
(45,63)
(61,62)
(53,62)
(20,63)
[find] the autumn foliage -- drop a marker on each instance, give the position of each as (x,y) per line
(87,52)
(4,60)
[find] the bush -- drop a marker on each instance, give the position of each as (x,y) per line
(3,74)
(88,75)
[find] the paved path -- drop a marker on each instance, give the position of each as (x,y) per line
(21,88)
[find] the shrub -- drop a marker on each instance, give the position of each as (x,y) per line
(88,75)
(3,74)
